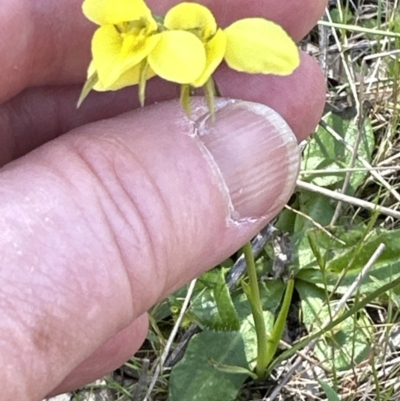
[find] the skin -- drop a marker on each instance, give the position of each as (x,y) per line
(70,182)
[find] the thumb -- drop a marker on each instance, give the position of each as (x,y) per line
(107,220)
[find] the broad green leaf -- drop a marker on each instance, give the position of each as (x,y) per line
(195,379)
(319,210)
(325,152)
(286,219)
(344,346)
(384,270)
(356,308)
(213,307)
(326,247)
(320,257)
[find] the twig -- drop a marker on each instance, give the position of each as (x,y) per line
(353,170)
(348,199)
(171,339)
(360,134)
(177,354)
(142,382)
(257,245)
(350,78)
(323,46)
(337,309)
(304,356)
(356,28)
(316,224)
(374,173)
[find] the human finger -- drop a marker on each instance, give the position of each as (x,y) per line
(108,357)
(100,224)
(39,115)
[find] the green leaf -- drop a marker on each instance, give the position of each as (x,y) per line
(195,379)
(337,321)
(329,391)
(384,270)
(319,211)
(325,152)
(280,322)
(287,218)
(344,346)
(345,17)
(213,307)
(325,248)
(312,236)
(317,208)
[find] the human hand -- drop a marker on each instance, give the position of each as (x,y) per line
(103,214)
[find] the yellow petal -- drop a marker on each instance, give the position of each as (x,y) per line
(128,78)
(191,17)
(110,56)
(106,47)
(178,57)
(104,12)
(256,45)
(215,51)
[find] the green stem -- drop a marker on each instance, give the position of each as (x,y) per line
(210,93)
(185,98)
(256,308)
(144,68)
(266,347)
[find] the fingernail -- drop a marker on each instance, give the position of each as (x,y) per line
(255,153)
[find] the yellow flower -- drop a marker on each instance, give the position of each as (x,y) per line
(126,36)
(253,45)
(198,20)
(130,46)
